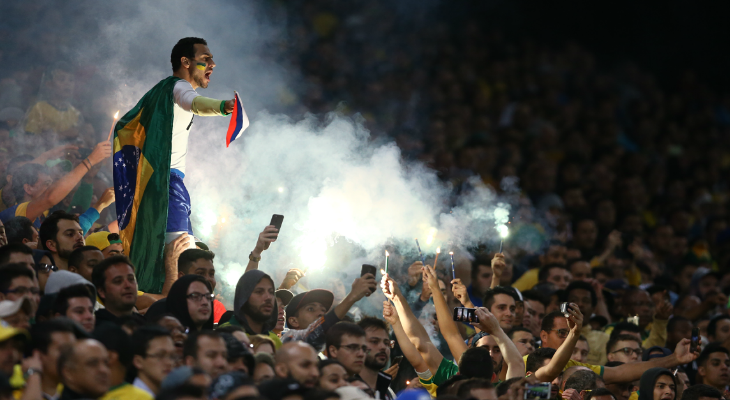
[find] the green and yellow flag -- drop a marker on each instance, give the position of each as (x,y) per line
(142,151)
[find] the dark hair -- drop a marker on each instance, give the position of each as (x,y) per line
(41,333)
(712,326)
(189,256)
(698,391)
(476,362)
(115,339)
(465,388)
(373,322)
(19,228)
(98,275)
(537,358)
(11,248)
(77,256)
(481,260)
(549,321)
(711,348)
(184,391)
(534,295)
(64,295)
(184,47)
(8,272)
(518,329)
(582,380)
(314,394)
(49,227)
(544,272)
(503,387)
(237,350)
(490,293)
(672,324)
(603,392)
(617,338)
(27,174)
(190,347)
(624,326)
(327,362)
(334,335)
(602,270)
(142,337)
(445,389)
(584,286)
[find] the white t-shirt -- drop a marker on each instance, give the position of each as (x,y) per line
(183,93)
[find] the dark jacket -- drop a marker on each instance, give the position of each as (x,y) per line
(69,394)
(103,316)
(177,302)
(245,286)
(648,380)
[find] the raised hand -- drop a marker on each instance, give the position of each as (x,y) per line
(575,319)
(102,151)
(430,276)
(363,286)
(498,266)
(176,247)
(487,321)
(107,198)
(664,310)
(414,272)
(292,277)
(390,288)
(684,354)
(460,293)
(266,237)
(389,313)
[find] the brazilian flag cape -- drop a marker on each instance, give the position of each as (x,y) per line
(142,152)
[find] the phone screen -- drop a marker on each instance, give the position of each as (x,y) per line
(463,314)
(277,220)
(540,391)
(367,269)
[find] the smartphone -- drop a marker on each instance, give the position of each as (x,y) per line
(397,360)
(538,391)
(463,314)
(276,220)
(634,320)
(367,269)
(564,309)
(695,339)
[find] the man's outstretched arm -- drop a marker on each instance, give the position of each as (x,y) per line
(447,326)
(565,351)
(265,239)
(633,371)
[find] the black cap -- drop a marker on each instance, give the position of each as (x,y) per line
(285,296)
(228,382)
(324,297)
(276,389)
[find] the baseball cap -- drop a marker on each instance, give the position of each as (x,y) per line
(177,377)
(648,356)
(8,332)
(9,307)
(285,296)
(276,389)
(322,296)
(100,240)
(228,382)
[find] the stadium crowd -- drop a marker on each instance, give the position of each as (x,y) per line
(621,216)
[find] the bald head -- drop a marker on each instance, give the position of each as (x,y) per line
(298,360)
(84,368)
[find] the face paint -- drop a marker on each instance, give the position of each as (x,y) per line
(201,66)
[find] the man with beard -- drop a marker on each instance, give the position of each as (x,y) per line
(254,305)
(379,343)
(61,234)
(116,286)
(298,360)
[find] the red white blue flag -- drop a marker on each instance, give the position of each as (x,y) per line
(239,121)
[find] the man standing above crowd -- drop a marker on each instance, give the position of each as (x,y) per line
(379,345)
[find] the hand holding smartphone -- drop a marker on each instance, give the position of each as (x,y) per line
(277,220)
(695,343)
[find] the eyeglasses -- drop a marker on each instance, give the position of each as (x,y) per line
(386,342)
(45,268)
(629,351)
(355,347)
(563,333)
(162,356)
(196,297)
(22,290)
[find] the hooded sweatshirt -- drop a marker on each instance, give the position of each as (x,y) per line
(176,302)
(246,284)
(648,380)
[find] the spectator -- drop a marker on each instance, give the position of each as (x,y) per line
(43,267)
(255,308)
(581,350)
(17,313)
(76,302)
(108,243)
(501,302)
(61,234)
(186,376)
(190,300)
(379,345)
(83,260)
(118,344)
(476,388)
(583,294)
(624,348)
(297,360)
(345,343)
(583,382)
(637,302)
(657,384)
(178,332)
(233,385)
(15,253)
(283,297)
(718,330)
(556,274)
(17,281)
(264,369)
(580,271)
(200,262)
(701,392)
(713,365)
(678,328)
(523,339)
(481,280)
(21,230)
(535,305)
(154,356)
(83,369)
(262,344)
(283,389)
(47,338)
(332,375)
(116,286)
(239,357)
(206,350)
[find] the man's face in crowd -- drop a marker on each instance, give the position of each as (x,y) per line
(201,309)
(524,341)
(159,361)
(585,234)
(307,314)
(490,344)
(503,309)
(581,271)
(20,320)
(350,353)
(20,258)
(9,355)
(43,275)
(557,335)
(559,277)
(580,352)
(378,342)
(260,304)
(618,353)
(204,268)
(281,318)
(86,266)
(22,286)
(582,298)
(639,303)
(722,331)
(202,55)
(301,365)
(49,359)
(70,237)
(333,377)
(81,310)
(120,288)
(177,331)
(556,254)
(715,371)
(88,373)
(483,279)
(534,313)
(665,388)
(212,356)
(114,249)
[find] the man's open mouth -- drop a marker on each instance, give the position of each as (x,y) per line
(208,74)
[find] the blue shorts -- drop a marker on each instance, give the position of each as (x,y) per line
(178,209)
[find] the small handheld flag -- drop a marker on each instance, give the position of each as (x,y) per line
(239,121)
